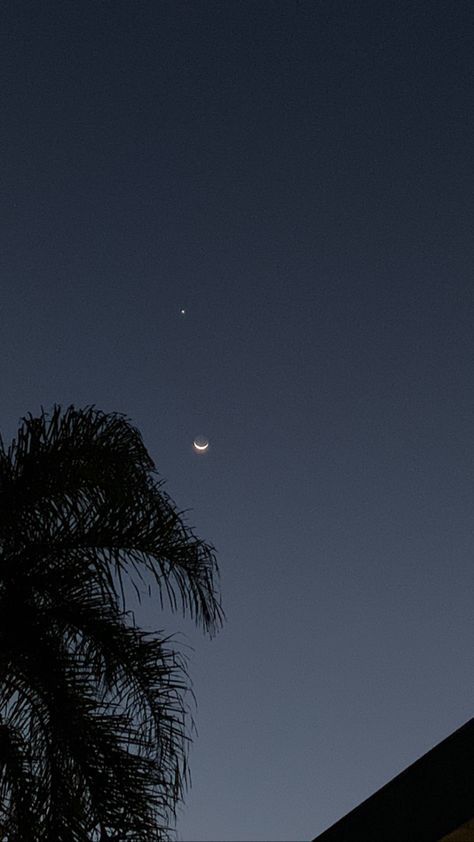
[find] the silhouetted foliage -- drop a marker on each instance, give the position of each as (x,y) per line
(93,721)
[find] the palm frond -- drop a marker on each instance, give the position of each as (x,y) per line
(84,481)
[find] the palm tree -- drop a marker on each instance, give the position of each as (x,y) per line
(94,727)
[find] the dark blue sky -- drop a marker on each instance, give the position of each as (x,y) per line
(299,177)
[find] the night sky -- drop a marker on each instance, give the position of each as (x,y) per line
(297,176)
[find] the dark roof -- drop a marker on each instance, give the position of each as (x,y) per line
(429,799)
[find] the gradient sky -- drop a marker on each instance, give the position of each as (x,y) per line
(299,177)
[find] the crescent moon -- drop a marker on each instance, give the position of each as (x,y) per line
(201,448)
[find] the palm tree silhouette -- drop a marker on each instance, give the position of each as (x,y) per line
(94,727)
